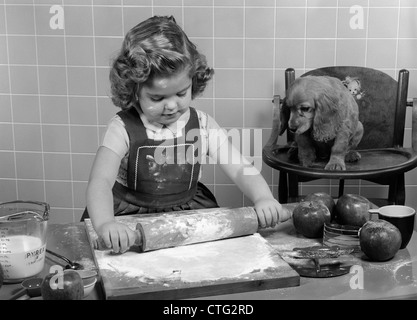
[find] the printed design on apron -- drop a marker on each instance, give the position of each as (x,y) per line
(166,168)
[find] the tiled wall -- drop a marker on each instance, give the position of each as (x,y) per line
(54,85)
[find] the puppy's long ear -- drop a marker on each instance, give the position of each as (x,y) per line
(327,118)
(284,116)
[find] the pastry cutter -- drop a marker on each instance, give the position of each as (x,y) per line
(320,270)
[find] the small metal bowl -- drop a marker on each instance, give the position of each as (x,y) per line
(88,288)
(344,236)
(89,278)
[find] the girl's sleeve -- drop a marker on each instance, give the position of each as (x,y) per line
(116,137)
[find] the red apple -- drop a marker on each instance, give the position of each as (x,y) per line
(309,218)
(352,209)
(63,285)
(380,240)
(322,196)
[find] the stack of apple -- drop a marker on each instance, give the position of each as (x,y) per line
(310,215)
(379,239)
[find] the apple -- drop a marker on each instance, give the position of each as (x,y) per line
(322,196)
(62,285)
(380,240)
(309,218)
(352,209)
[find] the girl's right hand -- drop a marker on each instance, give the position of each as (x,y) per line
(117,236)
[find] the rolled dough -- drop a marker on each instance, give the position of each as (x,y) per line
(193,263)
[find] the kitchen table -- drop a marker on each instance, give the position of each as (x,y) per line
(394,279)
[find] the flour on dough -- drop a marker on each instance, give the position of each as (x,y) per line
(194,263)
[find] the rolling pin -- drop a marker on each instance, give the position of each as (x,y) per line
(194,226)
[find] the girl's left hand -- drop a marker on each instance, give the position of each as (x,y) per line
(270,212)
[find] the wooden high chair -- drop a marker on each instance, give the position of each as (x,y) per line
(382,105)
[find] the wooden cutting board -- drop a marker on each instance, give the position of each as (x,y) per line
(247,263)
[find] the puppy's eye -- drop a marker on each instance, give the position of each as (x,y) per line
(305,109)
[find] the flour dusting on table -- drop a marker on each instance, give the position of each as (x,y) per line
(239,256)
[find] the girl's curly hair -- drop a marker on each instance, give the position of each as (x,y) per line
(155,47)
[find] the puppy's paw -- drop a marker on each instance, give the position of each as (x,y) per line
(307,162)
(352,156)
(293,153)
(336,165)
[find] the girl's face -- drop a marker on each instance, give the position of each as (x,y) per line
(165,99)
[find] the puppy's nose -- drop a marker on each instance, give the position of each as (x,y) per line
(292,126)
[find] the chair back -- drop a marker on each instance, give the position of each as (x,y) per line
(382,102)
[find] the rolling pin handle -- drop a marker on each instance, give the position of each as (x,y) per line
(138,241)
(139,237)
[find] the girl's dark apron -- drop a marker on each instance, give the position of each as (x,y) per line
(162,175)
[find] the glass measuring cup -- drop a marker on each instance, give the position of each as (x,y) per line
(23,226)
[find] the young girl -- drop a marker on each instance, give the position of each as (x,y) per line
(150,157)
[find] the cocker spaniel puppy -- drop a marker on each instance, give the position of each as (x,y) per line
(324,117)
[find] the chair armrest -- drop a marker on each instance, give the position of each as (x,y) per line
(414,126)
(275,121)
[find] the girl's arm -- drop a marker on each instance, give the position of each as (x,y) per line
(100,201)
(252,184)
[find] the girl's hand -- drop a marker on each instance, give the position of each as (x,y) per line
(117,236)
(270,212)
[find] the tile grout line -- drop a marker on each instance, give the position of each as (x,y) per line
(397,41)
(200,37)
(305,35)
(273,84)
(366,64)
(220,68)
(182,14)
(69,115)
(202,6)
(11,103)
(213,81)
(335,63)
(243,80)
(39,101)
(304,58)
(367,35)
(336,32)
(96,99)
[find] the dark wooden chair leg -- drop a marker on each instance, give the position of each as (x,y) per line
(397,190)
(341,187)
(283,187)
(293,187)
